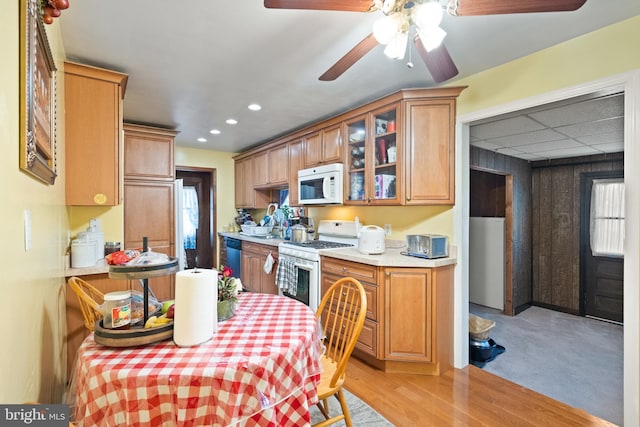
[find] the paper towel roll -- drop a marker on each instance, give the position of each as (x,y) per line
(196,312)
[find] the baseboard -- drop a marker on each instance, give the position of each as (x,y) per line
(556,308)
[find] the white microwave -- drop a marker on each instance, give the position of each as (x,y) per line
(321,185)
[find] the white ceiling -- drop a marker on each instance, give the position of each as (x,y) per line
(194,64)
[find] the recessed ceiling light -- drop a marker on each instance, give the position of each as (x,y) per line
(255,107)
(202,140)
(232,121)
(215,131)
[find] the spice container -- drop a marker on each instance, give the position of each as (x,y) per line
(117,310)
(111,247)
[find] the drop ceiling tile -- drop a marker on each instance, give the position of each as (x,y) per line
(581,112)
(534,137)
(486,145)
(613,147)
(510,152)
(567,152)
(548,146)
(604,138)
(531,157)
(512,126)
(593,128)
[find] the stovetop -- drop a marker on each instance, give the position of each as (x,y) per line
(319,244)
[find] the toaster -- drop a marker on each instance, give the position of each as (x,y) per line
(428,245)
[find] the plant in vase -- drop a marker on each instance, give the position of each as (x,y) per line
(228,289)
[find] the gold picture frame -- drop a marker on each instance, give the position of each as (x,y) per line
(37,96)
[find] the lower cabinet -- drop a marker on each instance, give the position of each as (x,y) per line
(409,322)
(254,278)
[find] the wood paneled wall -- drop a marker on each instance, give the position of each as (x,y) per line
(487,194)
(556,227)
(521,230)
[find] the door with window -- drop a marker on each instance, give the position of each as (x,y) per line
(602,239)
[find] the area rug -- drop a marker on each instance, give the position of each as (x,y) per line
(361,414)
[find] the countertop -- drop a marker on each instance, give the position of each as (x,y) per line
(390,258)
(100,268)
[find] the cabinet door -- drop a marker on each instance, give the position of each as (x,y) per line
(222,258)
(429,152)
(332,144)
(148,153)
(384,186)
(244,183)
(260,169)
(251,267)
(357,157)
(93,144)
(149,212)
(408,315)
(296,162)
(312,150)
(279,165)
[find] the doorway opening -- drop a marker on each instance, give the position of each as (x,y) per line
(199,213)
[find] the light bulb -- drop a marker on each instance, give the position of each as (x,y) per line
(432,37)
(427,15)
(397,46)
(385,28)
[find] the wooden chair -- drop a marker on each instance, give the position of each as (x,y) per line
(341,314)
(90,299)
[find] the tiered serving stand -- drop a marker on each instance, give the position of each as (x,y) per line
(137,335)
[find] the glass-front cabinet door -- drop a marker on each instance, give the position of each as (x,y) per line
(385,156)
(372,165)
(357,157)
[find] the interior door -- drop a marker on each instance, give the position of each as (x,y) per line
(601,280)
(200,253)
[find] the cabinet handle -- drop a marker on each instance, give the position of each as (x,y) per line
(388,274)
(344,294)
(408,198)
(368,199)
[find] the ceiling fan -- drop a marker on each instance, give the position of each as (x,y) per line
(417,20)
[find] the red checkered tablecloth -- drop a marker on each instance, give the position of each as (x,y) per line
(261,368)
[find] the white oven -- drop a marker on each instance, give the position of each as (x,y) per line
(307,275)
(298,272)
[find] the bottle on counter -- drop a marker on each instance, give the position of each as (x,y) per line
(287,233)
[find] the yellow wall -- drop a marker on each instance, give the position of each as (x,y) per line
(32,318)
(222,162)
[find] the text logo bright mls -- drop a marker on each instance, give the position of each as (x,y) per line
(34,415)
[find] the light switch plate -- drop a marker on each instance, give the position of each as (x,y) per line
(27,230)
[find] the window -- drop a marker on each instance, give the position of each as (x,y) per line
(607,217)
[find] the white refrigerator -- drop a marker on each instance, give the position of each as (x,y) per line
(486,262)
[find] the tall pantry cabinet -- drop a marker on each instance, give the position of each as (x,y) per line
(149,175)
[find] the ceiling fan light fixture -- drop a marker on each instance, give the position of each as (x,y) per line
(427,15)
(387,27)
(432,37)
(397,46)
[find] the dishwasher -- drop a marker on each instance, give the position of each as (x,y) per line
(234,255)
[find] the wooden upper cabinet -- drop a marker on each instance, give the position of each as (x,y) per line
(149,153)
(93,135)
(296,162)
(429,152)
(324,146)
(271,168)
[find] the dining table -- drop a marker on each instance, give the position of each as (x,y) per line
(261,368)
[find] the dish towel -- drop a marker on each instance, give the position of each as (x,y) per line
(287,276)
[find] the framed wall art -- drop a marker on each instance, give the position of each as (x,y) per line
(37,96)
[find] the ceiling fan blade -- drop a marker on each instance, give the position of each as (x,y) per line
(341,5)
(438,61)
(496,7)
(344,63)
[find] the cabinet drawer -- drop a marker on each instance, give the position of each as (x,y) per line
(259,249)
(362,272)
(368,339)
(371,292)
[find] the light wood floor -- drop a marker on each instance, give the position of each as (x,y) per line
(459,397)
